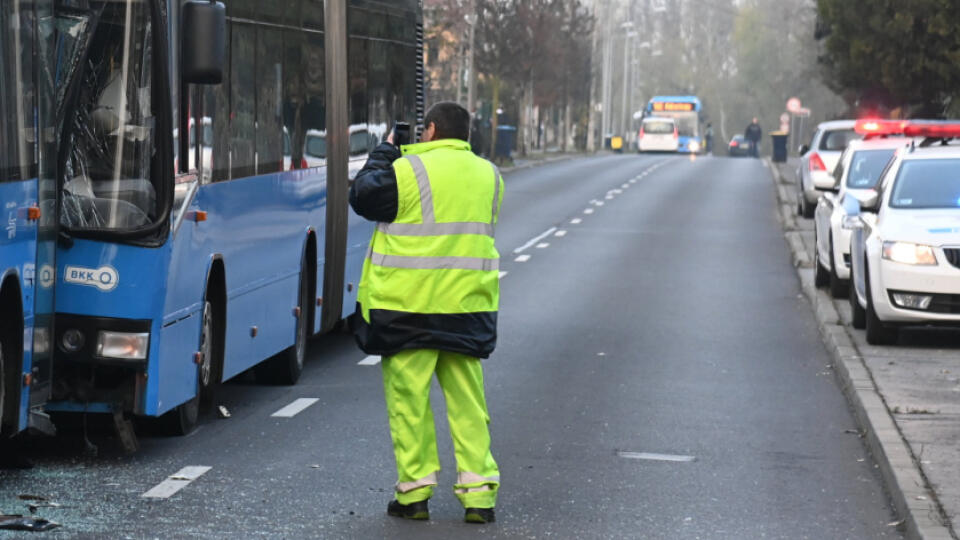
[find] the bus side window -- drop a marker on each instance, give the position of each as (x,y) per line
(357,89)
(270,76)
(216,122)
(17,106)
(313,113)
(243,84)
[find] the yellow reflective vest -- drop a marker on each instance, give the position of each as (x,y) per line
(431,276)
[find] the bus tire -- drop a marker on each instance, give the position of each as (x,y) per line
(286,367)
(210,369)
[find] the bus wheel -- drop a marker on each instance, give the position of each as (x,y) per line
(286,367)
(210,365)
(183,419)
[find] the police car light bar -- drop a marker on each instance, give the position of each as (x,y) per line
(874,127)
(933,129)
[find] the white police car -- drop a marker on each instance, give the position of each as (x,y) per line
(857,173)
(905,246)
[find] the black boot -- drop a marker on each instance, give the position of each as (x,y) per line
(479,515)
(417,510)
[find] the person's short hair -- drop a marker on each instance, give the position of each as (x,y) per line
(452,121)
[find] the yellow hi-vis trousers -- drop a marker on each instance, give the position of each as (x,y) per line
(406,384)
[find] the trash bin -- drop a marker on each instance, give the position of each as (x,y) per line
(506,135)
(780,146)
(616,144)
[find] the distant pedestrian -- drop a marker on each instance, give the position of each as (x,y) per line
(428,301)
(754,133)
(708,138)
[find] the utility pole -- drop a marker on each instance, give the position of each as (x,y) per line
(592,113)
(628,34)
(471,73)
(606,90)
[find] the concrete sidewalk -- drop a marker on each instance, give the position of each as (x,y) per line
(905,397)
(534,159)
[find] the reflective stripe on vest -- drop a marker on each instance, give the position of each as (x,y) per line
(429,225)
(434,263)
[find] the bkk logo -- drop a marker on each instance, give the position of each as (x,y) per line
(104,278)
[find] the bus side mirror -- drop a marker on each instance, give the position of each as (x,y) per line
(203,48)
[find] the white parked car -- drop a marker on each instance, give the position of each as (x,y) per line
(856,174)
(819,158)
(905,246)
(658,135)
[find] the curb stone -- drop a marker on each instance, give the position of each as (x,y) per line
(914,500)
(538,162)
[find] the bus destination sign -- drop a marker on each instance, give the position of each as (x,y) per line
(669,106)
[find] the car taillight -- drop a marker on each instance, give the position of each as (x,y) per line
(816,164)
(733,144)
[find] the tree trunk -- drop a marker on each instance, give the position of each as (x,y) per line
(495,104)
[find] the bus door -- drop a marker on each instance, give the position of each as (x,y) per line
(27,269)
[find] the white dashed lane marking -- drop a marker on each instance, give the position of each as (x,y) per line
(296,407)
(576,221)
(588,211)
(369,361)
(542,245)
(560,233)
(522,258)
(176,482)
(533,241)
(502,273)
(655,457)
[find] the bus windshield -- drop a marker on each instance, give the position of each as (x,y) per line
(687,124)
(109,127)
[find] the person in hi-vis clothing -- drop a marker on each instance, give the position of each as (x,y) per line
(428,301)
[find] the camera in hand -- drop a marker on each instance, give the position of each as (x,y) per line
(401,134)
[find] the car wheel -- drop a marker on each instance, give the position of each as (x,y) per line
(820,275)
(806,209)
(838,287)
(878,333)
(859,314)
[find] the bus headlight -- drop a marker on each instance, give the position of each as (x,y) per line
(694,146)
(123,345)
(909,253)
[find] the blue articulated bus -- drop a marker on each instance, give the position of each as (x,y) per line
(27,271)
(204,167)
(686,111)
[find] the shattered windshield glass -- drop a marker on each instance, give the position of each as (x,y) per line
(109,126)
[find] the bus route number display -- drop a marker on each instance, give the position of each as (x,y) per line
(668,106)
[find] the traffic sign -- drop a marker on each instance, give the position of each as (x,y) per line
(794,105)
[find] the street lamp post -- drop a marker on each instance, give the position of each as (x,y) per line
(628,26)
(471,73)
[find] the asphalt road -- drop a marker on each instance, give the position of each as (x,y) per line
(661,316)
